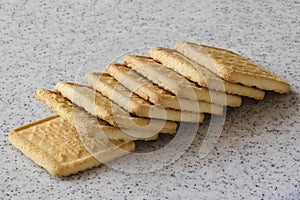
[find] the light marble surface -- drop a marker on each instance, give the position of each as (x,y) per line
(258,155)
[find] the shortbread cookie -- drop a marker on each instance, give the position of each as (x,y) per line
(101,107)
(233,67)
(86,123)
(156,94)
(112,89)
(177,84)
(55,145)
(197,73)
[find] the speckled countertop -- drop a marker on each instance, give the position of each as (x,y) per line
(258,154)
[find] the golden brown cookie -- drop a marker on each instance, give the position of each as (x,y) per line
(87,124)
(197,73)
(176,83)
(233,67)
(112,89)
(100,106)
(156,94)
(55,145)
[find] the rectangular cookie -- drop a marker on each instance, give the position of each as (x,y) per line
(177,84)
(156,94)
(197,73)
(233,67)
(55,145)
(100,106)
(112,89)
(86,123)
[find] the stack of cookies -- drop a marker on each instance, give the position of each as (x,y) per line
(137,100)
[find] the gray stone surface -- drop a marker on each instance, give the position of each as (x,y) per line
(258,155)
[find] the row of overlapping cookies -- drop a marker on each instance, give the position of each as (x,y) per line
(147,95)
